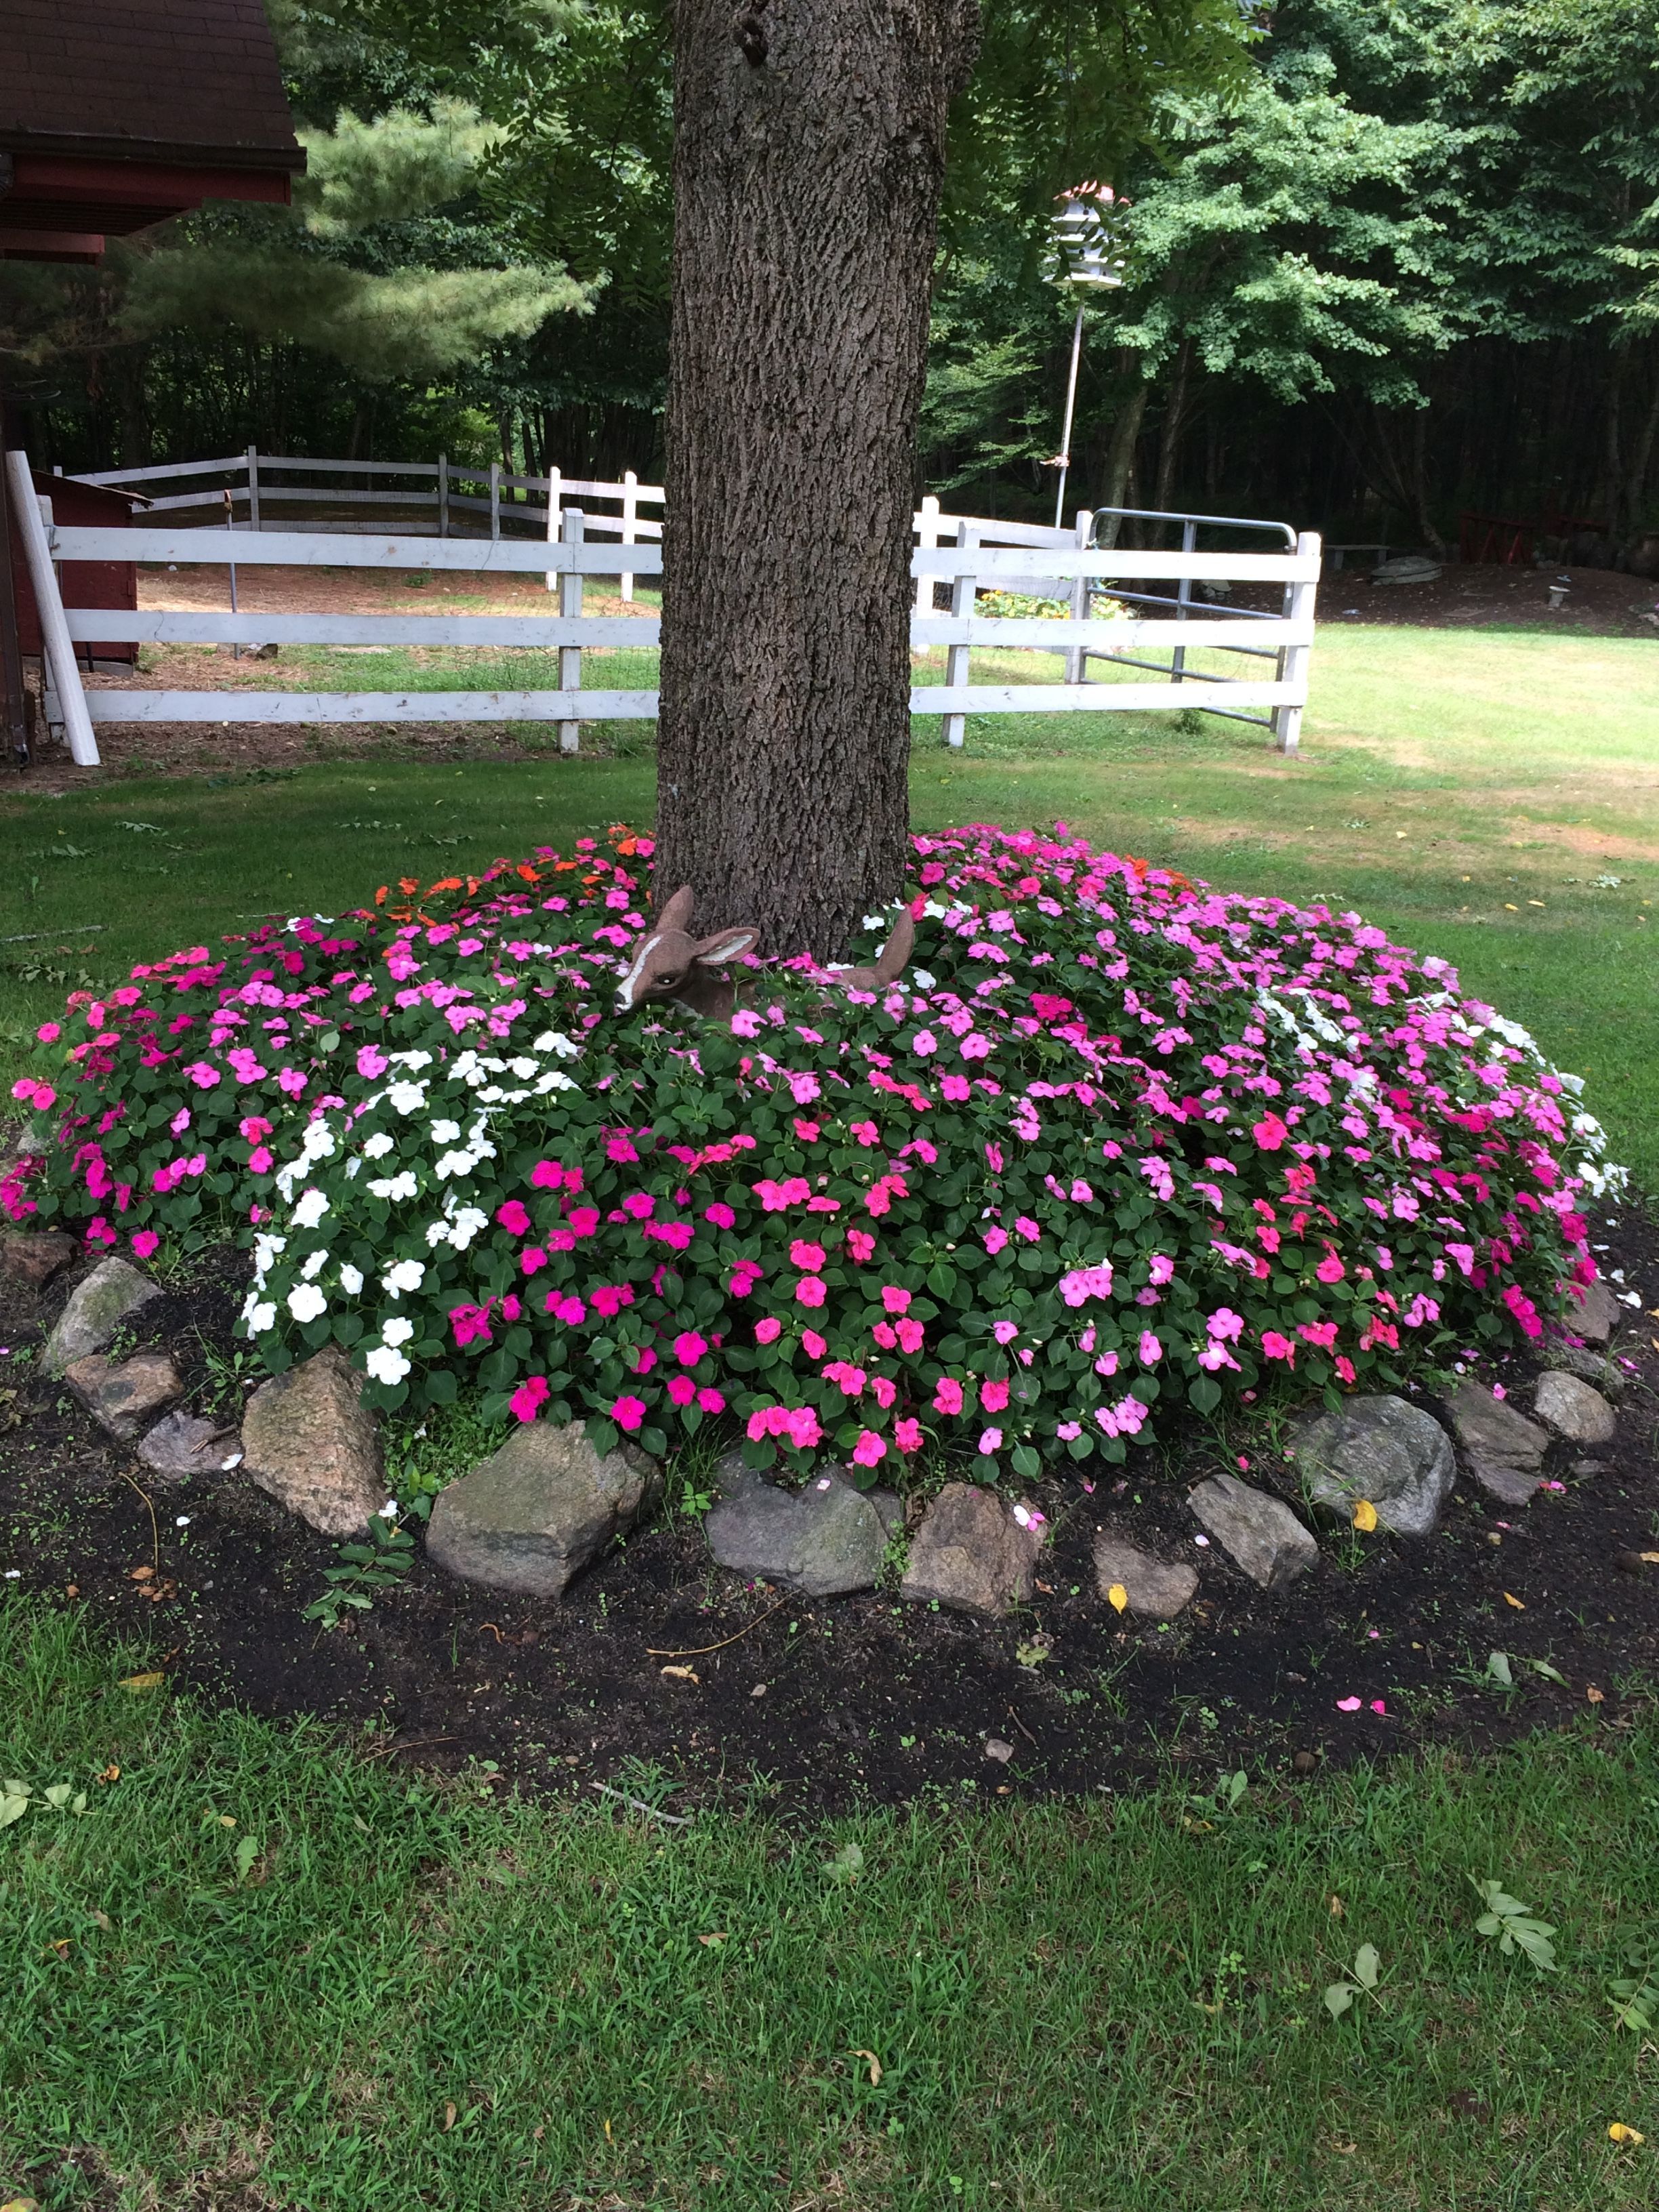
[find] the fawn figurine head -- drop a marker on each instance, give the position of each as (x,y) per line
(889,963)
(671,963)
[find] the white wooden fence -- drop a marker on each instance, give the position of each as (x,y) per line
(981,555)
(254,482)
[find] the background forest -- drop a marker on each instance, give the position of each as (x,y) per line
(1404,263)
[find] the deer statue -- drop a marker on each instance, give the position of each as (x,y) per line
(671,963)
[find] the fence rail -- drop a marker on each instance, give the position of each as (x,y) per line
(966,555)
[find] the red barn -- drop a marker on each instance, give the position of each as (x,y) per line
(116,114)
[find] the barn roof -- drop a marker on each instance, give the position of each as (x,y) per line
(167,81)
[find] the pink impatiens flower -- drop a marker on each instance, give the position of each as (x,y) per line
(907,1435)
(810,1291)
(512,1218)
(804,1253)
(994,1396)
(869,1449)
(768,1330)
(895,1299)
(628,1413)
(529,1398)
(947,1397)
(689,1347)
(1277,1347)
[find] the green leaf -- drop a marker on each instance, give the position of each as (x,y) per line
(1338,1998)
(1497,1666)
(1366,1965)
(1205,1393)
(13,1803)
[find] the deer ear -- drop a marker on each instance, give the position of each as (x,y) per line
(727,944)
(676,915)
(890,962)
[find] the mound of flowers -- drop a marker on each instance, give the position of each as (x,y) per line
(1115,1143)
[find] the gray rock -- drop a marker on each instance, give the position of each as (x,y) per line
(1574,1410)
(97,1310)
(1381,1449)
(1598,1318)
(183,1445)
(124,1396)
(1502,1450)
(1259,1534)
(829,1538)
(535,1513)
(310,1442)
(1157,1589)
(972,1554)
(1594,1368)
(29,1263)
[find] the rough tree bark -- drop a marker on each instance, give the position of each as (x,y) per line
(808,152)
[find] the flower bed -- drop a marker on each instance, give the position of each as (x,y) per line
(1117,1143)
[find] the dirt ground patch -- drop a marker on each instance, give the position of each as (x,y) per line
(861,1699)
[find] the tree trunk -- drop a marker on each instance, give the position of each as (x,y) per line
(1121,458)
(808,152)
(1175,421)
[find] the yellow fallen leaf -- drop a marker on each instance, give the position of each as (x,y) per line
(1596,1697)
(683,1673)
(1336,1908)
(719,1936)
(1649,1558)
(136,1683)
(1515,1601)
(1620,2134)
(21,2204)
(1117,1597)
(449,2118)
(875,2070)
(1365,1515)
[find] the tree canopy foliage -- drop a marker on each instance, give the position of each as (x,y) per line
(1378,259)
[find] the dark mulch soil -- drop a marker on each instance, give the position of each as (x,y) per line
(863,1699)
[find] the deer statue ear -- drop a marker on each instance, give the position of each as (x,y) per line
(727,944)
(890,962)
(676,915)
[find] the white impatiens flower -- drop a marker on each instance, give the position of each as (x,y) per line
(556,1040)
(315,1263)
(385,1365)
(261,1316)
(319,1143)
(305,1301)
(921,979)
(410,1059)
(523,1069)
(313,1205)
(406,1097)
(394,1188)
(553,1081)
(397,1332)
(449,1164)
(445,1133)
(377,1146)
(351,1280)
(466,1226)
(406,1275)
(388,1511)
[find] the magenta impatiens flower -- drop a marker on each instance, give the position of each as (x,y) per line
(628,1413)
(689,1347)
(512,1218)
(894,1298)
(869,1449)
(947,1397)
(810,1291)
(993,1396)
(529,1398)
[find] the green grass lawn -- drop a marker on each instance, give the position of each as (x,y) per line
(403,1992)
(265,1970)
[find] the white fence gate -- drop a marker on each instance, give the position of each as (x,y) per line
(980,555)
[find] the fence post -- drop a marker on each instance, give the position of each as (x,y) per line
(955,657)
(34,518)
(253,488)
(571,531)
(443,495)
(928,535)
(555,477)
(1082,596)
(1183,601)
(630,507)
(1293,660)
(494,500)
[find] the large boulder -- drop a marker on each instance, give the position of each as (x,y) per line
(1594,1368)
(824,1540)
(535,1513)
(1383,1450)
(1502,1449)
(98,1310)
(1156,1589)
(973,1552)
(29,1263)
(1574,1410)
(309,1442)
(124,1396)
(1259,1534)
(184,1444)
